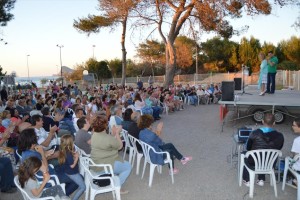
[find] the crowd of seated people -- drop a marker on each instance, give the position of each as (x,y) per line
(33,123)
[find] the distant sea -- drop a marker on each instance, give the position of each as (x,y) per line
(35,79)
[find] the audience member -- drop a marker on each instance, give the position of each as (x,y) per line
(83,138)
(263,138)
(151,137)
(105,149)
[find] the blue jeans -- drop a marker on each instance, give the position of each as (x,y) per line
(271,82)
(78,179)
(67,124)
(122,169)
(193,99)
(147,111)
(6,174)
(156,111)
(71,186)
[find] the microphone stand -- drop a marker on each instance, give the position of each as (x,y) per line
(243,81)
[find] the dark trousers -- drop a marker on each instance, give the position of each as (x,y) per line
(6,174)
(250,164)
(169,147)
(271,82)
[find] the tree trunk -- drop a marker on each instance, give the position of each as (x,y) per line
(124,24)
(170,64)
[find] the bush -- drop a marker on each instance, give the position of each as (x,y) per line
(288,65)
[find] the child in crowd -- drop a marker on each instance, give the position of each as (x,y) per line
(29,183)
(68,158)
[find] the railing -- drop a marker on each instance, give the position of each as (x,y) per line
(284,79)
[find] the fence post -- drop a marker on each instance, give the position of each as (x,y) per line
(299,80)
(210,77)
(178,78)
(228,78)
(282,75)
(194,79)
(289,78)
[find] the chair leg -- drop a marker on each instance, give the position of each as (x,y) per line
(251,190)
(134,153)
(172,173)
(286,166)
(93,194)
(125,149)
(130,156)
(118,194)
(144,168)
(241,172)
(87,191)
(274,182)
(138,161)
(151,174)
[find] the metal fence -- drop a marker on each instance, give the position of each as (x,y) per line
(284,79)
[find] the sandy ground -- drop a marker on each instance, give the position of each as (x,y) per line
(196,131)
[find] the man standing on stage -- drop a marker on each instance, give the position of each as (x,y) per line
(272,67)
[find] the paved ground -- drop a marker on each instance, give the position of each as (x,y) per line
(196,131)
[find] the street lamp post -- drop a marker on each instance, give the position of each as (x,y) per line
(94,51)
(27,68)
(61,70)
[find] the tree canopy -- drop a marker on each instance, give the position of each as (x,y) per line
(5,7)
(170,18)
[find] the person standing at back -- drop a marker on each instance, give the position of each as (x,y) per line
(272,69)
(296,145)
(263,138)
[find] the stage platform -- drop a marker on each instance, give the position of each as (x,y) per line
(283,103)
(279,98)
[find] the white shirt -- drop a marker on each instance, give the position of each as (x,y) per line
(93,106)
(75,119)
(43,134)
(296,149)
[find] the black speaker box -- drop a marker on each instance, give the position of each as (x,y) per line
(237,83)
(227,90)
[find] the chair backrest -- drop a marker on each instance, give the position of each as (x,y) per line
(132,140)
(264,159)
(19,154)
(81,152)
(24,193)
(146,149)
(126,138)
(88,162)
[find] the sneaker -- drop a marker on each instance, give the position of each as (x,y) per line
(184,160)
(260,182)
(246,183)
(175,171)
(261,94)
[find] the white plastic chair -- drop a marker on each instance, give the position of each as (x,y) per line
(139,155)
(287,168)
(264,160)
(129,146)
(81,154)
(139,110)
(164,107)
(90,175)
(147,149)
(27,197)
